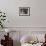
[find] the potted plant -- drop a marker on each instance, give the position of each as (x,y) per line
(2,19)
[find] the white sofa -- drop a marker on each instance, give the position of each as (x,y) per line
(31,38)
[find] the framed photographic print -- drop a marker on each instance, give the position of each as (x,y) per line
(24,11)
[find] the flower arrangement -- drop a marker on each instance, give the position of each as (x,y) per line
(2,19)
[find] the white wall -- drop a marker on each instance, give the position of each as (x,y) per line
(37,9)
(34,22)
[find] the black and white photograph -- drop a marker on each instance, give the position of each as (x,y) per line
(24,11)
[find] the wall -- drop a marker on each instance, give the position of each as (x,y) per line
(34,22)
(37,9)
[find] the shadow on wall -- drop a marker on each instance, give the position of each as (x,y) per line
(16,43)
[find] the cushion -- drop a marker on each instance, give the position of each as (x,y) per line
(26,39)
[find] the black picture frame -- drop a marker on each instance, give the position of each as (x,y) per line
(24,11)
